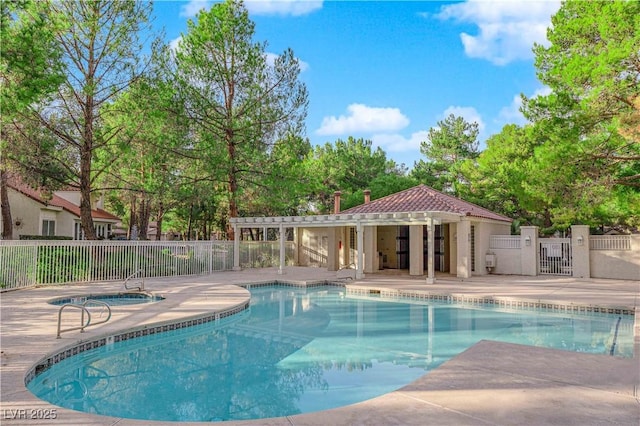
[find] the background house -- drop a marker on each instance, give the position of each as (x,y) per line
(36,213)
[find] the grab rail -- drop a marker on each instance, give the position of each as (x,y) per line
(347,271)
(103,304)
(83,309)
(140,287)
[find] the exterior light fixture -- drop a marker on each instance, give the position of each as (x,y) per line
(527,240)
(580,240)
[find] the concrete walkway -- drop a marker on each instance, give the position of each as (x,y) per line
(490,383)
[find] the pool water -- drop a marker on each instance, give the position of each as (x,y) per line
(301,350)
(116,299)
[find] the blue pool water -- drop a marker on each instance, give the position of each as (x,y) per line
(116,299)
(301,350)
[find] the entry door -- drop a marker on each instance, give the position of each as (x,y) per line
(402,247)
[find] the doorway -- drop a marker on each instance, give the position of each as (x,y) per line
(440,247)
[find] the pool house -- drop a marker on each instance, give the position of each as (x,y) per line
(419,229)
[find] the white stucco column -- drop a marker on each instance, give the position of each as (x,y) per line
(463,267)
(333,249)
(360,244)
(281,236)
(236,247)
(581,264)
(529,249)
(416,256)
(371,261)
(431,231)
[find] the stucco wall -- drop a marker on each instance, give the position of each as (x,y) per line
(483,232)
(387,245)
(508,261)
(617,264)
(28,211)
(312,246)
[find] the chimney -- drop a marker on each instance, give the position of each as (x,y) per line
(367,196)
(336,202)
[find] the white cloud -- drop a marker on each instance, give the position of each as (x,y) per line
(363,119)
(271,57)
(191,8)
(398,143)
(507,29)
(259,7)
(173,44)
(470,115)
(283,7)
(512,114)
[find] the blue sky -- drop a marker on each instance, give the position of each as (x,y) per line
(388,71)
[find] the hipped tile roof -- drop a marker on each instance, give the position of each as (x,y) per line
(422,198)
(57,201)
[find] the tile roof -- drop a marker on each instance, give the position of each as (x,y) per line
(57,201)
(422,198)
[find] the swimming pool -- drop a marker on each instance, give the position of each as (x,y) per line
(114,299)
(300,350)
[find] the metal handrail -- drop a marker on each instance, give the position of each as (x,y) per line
(98,302)
(84,309)
(140,287)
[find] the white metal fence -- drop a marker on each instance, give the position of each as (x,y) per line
(555,256)
(28,263)
(262,254)
(504,242)
(610,242)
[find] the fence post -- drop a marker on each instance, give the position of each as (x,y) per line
(90,262)
(37,273)
(529,250)
(580,251)
(281,238)
(236,247)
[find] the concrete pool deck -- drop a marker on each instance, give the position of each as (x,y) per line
(490,383)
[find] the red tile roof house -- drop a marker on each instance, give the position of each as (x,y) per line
(420,230)
(33,214)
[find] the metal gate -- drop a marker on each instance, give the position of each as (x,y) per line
(555,257)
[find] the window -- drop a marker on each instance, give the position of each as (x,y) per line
(77,232)
(100,231)
(473,248)
(352,253)
(48,227)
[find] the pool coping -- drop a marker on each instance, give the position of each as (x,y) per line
(361,288)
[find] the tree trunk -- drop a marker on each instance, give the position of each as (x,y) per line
(7,220)
(143,218)
(133,219)
(189,225)
(159,217)
(233,189)
(86,154)
(85,194)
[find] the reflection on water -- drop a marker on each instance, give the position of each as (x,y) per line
(298,351)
